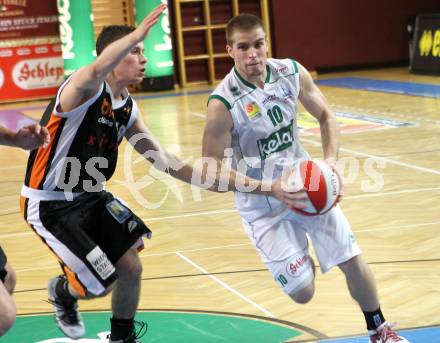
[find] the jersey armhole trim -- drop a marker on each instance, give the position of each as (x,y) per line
(80,107)
(223,100)
(133,114)
(295,65)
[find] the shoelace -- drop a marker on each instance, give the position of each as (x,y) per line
(135,334)
(141,330)
(70,314)
(388,332)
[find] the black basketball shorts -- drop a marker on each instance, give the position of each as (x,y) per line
(88,236)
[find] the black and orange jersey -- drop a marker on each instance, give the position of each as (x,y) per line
(84,141)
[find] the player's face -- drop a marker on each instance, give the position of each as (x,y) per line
(132,68)
(249,51)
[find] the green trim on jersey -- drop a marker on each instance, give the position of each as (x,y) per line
(268,74)
(247,83)
(223,100)
(242,79)
(295,65)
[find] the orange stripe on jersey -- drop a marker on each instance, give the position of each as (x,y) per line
(42,158)
(73,281)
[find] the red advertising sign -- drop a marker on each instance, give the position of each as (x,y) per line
(30,71)
(31,65)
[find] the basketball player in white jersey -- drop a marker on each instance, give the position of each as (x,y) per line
(28,137)
(253,111)
(95,236)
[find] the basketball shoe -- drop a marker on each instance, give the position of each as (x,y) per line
(67,316)
(385,334)
(134,335)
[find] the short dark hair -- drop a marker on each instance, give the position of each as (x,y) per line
(111,33)
(242,22)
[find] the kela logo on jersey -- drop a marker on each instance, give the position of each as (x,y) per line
(235,91)
(253,110)
(277,141)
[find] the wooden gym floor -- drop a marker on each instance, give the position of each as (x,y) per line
(200,258)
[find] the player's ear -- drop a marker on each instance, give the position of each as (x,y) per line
(229,50)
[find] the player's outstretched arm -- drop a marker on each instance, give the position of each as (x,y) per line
(216,138)
(29,137)
(144,142)
(86,81)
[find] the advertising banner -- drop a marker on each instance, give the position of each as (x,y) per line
(30,71)
(30,52)
(76,32)
(158,47)
(426,45)
(27,19)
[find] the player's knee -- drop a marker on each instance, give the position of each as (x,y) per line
(304,295)
(7,317)
(354,265)
(130,266)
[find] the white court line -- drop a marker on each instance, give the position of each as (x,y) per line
(388,160)
(198,249)
(197,114)
(52,266)
(378,194)
(21,166)
(410,226)
(196,214)
(354,152)
(225,285)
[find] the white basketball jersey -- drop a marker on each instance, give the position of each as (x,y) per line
(265,132)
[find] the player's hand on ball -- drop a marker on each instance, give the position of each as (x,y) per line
(332,163)
(293,198)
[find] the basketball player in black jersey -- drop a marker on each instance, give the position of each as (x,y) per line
(29,137)
(95,237)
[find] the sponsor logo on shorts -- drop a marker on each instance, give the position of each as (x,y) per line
(352,238)
(295,267)
(99,261)
(132,225)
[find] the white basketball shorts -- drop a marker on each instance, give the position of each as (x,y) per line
(282,243)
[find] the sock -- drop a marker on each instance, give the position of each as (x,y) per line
(62,289)
(121,328)
(374,319)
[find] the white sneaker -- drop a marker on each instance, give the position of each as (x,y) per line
(67,316)
(385,334)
